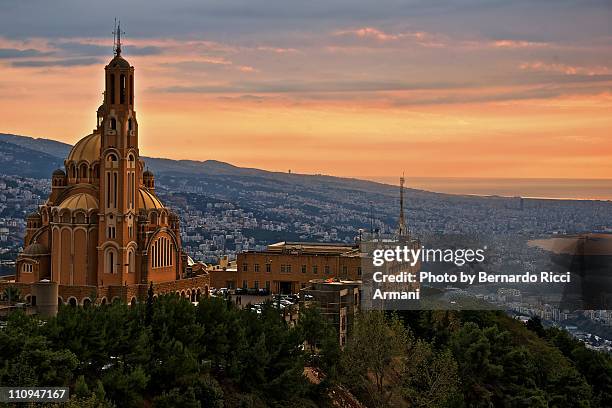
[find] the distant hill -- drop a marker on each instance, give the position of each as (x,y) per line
(48,146)
(17,159)
(42,156)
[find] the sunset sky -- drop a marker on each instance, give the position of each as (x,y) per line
(355,88)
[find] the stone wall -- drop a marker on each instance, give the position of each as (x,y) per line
(106,294)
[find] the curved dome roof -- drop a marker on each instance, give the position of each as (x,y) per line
(35,249)
(119,62)
(59,172)
(80,201)
(149,201)
(88,148)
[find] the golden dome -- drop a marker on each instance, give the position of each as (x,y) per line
(149,201)
(80,201)
(88,149)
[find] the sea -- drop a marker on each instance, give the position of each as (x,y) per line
(550,188)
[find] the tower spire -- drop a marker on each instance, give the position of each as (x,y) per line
(117,38)
(402,230)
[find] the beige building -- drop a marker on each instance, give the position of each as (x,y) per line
(287,267)
(103,232)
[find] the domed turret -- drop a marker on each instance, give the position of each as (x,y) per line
(35,249)
(148,180)
(58,183)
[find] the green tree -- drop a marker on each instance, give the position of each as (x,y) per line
(11,294)
(321,339)
(377,345)
(430,378)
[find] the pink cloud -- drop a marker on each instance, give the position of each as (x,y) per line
(421,38)
(564,68)
(277,50)
(517,44)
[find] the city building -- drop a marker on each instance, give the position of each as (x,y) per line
(287,267)
(103,234)
(338,301)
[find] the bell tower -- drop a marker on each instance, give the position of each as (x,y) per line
(119,170)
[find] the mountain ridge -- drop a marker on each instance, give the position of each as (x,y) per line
(60,150)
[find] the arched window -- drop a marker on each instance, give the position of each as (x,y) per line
(112,88)
(113,124)
(83,171)
(122,89)
(131,261)
(162,253)
(130,124)
(111,261)
(131,89)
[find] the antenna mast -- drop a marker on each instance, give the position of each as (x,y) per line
(117,38)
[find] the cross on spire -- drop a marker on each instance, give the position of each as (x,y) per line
(117,37)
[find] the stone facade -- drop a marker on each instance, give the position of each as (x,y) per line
(103,229)
(287,267)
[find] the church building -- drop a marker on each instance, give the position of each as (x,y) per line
(103,234)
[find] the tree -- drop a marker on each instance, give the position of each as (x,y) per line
(149,310)
(377,346)
(430,378)
(535,325)
(321,339)
(11,294)
(472,350)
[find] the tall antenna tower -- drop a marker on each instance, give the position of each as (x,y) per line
(402,230)
(117,37)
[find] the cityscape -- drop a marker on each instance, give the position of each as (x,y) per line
(311,205)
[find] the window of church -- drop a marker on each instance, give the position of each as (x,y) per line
(112,88)
(123,89)
(131,89)
(162,253)
(111,261)
(27,268)
(131,262)
(83,171)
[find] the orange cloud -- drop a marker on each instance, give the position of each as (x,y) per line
(564,68)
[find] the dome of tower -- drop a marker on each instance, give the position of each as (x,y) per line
(59,172)
(149,201)
(80,201)
(88,149)
(119,62)
(35,249)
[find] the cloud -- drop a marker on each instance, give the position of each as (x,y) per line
(540,66)
(246,68)
(370,32)
(98,50)
(69,62)
(296,86)
(422,38)
(277,50)
(518,44)
(6,53)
